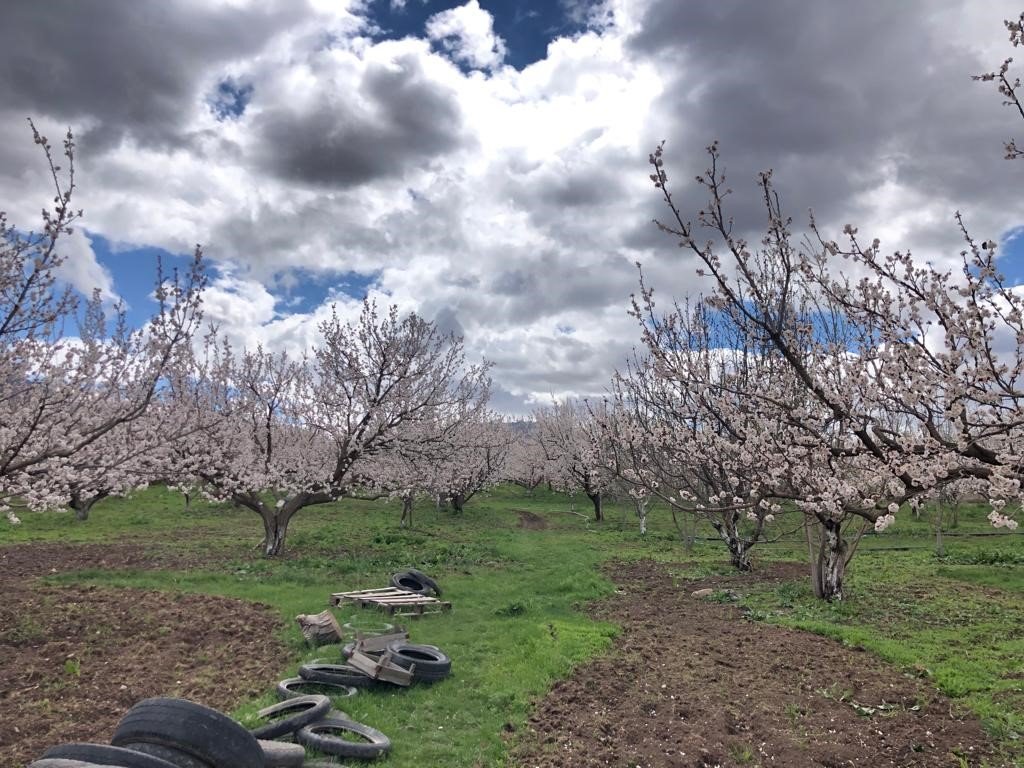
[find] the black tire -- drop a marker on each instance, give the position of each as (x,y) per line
(325,736)
(199,731)
(60,762)
(338,674)
(173,756)
(291,688)
(104,754)
(282,754)
(304,709)
(410,583)
(426,580)
(431,662)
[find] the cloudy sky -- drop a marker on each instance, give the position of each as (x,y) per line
(485,164)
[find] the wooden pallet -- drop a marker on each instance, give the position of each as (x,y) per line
(393,601)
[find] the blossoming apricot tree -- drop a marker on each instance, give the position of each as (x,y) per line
(59,395)
(299,432)
(909,377)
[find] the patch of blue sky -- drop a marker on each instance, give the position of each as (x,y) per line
(1011,256)
(230,99)
(303,291)
(134,270)
(526,26)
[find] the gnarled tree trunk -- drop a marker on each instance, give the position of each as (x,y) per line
(739,548)
(277,517)
(84,504)
(829,569)
(595,499)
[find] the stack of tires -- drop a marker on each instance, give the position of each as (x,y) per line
(175,733)
(165,733)
(311,722)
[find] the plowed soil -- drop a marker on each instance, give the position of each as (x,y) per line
(74,659)
(693,684)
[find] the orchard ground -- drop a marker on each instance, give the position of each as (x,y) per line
(573,643)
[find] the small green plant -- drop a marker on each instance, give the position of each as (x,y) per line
(794,712)
(25,631)
(512,609)
(984,557)
(72,667)
(723,596)
(741,753)
(836,692)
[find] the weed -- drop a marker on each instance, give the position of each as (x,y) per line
(794,712)
(741,753)
(25,631)
(512,609)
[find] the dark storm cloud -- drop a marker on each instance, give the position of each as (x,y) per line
(446,321)
(582,188)
(554,283)
(133,67)
(409,120)
(826,94)
(265,237)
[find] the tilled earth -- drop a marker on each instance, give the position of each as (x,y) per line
(691,683)
(74,659)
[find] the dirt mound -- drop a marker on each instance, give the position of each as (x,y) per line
(74,659)
(531,521)
(691,683)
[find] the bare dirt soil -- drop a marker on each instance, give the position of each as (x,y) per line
(74,659)
(531,521)
(691,683)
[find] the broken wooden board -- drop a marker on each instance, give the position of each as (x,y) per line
(382,668)
(377,643)
(393,601)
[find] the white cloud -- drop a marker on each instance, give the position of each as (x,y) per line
(81,269)
(467,32)
(511,203)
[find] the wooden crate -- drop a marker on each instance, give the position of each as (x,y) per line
(393,601)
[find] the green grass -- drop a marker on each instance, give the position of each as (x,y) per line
(517,624)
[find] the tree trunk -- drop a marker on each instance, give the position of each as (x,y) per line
(940,548)
(690,527)
(595,499)
(188,500)
(276,518)
(739,548)
(274,532)
(406,521)
(83,504)
(458,502)
(641,512)
(320,629)
(831,563)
